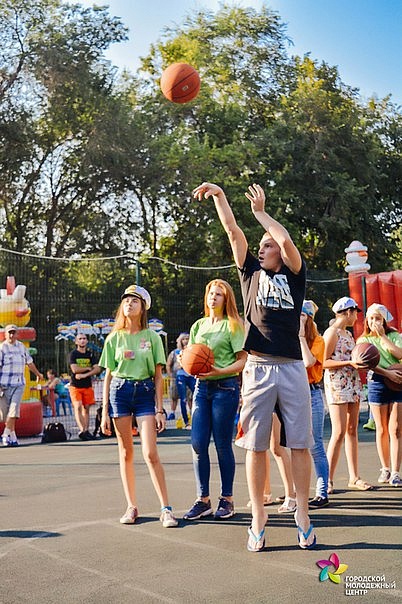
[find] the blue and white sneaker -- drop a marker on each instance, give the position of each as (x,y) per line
(199,510)
(395,480)
(224,510)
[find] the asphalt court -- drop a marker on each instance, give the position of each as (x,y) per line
(61,541)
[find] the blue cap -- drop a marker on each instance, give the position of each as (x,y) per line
(309,308)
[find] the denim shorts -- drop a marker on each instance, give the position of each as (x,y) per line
(130,397)
(379,393)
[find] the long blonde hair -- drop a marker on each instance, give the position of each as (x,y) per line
(121,320)
(229,308)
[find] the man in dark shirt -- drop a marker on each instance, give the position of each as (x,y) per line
(273,288)
(83,367)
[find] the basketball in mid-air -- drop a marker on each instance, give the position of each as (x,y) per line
(366,354)
(180,83)
(197,358)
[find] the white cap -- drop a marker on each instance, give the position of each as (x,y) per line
(138,292)
(345,303)
(381,309)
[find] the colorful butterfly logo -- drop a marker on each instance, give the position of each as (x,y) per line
(327,564)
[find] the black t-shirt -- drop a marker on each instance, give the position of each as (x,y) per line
(82,359)
(272,307)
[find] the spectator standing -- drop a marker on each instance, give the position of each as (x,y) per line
(313,347)
(343,391)
(172,365)
(216,398)
(13,358)
(185,385)
(133,356)
(181,382)
(385,404)
(82,367)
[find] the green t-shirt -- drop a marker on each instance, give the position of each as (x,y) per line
(133,356)
(386,358)
(220,339)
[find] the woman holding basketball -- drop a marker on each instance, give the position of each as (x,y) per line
(216,397)
(133,356)
(343,390)
(385,403)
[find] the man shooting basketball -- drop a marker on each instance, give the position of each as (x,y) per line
(273,288)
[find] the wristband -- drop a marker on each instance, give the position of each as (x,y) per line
(156,412)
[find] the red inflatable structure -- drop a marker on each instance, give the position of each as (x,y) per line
(383,288)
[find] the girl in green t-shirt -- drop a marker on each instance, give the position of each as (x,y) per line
(385,402)
(133,356)
(216,397)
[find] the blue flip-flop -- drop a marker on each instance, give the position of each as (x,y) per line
(255,540)
(306,536)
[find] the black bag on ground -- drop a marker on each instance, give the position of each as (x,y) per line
(98,420)
(54,433)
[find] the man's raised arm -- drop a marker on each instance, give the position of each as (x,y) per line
(236,236)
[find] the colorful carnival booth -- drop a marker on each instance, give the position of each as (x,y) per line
(15,309)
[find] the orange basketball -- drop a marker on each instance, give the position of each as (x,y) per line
(197,358)
(180,83)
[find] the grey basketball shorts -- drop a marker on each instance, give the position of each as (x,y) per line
(270,381)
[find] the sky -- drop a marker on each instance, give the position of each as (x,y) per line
(363,38)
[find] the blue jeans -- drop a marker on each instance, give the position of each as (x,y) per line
(317,451)
(214,409)
(184,381)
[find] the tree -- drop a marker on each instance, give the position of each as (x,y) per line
(327,168)
(55,90)
(293,126)
(100,164)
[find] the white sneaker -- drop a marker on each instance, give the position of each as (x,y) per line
(6,441)
(167,518)
(130,515)
(384,476)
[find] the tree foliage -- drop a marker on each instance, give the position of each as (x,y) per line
(327,160)
(96,163)
(55,90)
